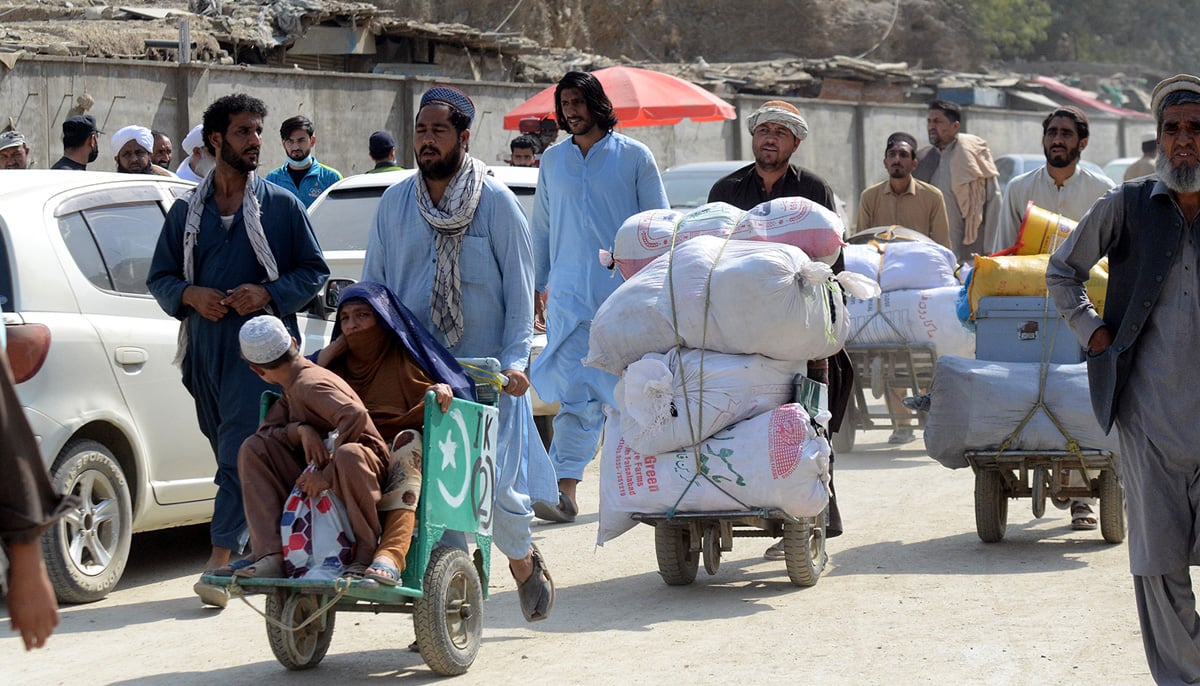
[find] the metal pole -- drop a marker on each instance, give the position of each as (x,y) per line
(185,40)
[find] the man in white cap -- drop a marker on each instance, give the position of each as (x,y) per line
(198,161)
(776,130)
(132,147)
(292,435)
(14,151)
(1140,366)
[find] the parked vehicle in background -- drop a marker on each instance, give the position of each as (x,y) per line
(1115,169)
(342,218)
(687,185)
(1011,166)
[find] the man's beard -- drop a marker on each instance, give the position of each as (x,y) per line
(1072,157)
(233,159)
(1178,179)
(897,173)
(444,168)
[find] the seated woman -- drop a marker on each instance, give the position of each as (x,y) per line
(390,361)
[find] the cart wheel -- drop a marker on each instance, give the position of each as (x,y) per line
(1039,491)
(448,618)
(677,563)
(991,506)
(710,545)
(1112,507)
(804,549)
(843,438)
(302,648)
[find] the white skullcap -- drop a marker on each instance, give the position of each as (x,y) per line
(783,113)
(264,339)
(140,134)
(194,139)
(1179,82)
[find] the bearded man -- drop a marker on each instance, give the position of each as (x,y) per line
(234,248)
(1142,372)
(453,244)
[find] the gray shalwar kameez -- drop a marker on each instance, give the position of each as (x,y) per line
(1155,412)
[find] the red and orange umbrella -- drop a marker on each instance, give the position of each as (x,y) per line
(640,97)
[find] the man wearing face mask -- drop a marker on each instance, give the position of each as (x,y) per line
(198,162)
(81,143)
(303,175)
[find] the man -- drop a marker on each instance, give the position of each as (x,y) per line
(453,244)
(381,146)
(589,184)
(199,162)
(14,152)
(234,248)
(132,148)
(961,167)
(776,131)
(1141,370)
(162,152)
(522,152)
(903,201)
(81,143)
(1145,164)
(1062,185)
(303,175)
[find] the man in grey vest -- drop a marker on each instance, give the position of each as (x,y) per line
(1141,370)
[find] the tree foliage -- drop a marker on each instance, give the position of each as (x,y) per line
(1010,28)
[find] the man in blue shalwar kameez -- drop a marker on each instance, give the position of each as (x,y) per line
(589,185)
(237,247)
(453,244)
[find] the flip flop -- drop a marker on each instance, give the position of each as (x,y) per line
(537,592)
(215,596)
(1082,517)
(383,572)
(231,568)
(357,570)
(564,512)
(265,567)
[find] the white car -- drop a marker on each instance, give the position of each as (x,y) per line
(342,217)
(91,351)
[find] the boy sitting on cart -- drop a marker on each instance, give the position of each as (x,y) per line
(314,403)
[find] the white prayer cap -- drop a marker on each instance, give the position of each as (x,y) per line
(140,134)
(194,139)
(264,339)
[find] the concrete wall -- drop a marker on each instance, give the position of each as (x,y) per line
(845,142)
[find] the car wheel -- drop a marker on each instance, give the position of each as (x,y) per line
(87,549)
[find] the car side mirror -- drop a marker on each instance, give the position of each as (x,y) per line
(333,292)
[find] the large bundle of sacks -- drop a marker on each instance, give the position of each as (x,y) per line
(920,293)
(978,405)
(708,339)
(795,221)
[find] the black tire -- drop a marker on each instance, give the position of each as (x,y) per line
(804,550)
(86,550)
(1112,507)
(991,506)
(677,562)
(1040,489)
(448,619)
(843,438)
(304,648)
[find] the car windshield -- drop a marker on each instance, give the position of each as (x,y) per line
(688,190)
(344,218)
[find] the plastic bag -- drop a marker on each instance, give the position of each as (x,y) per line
(318,542)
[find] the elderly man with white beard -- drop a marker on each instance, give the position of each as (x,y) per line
(1140,367)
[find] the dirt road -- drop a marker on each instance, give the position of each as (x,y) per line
(910,596)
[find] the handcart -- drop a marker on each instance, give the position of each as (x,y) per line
(682,539)
(1042,475)
(441,586)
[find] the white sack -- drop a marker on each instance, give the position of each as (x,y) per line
(796,221)
(774,460)
(975,405)
(657,415)
(761,298)
(903,265)
(917,316)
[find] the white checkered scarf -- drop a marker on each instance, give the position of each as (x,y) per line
(449,219)
(251,217)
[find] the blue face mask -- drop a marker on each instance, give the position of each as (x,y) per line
(302,164)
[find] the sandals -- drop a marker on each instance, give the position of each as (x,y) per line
(1082,517)
(216,596)
(775,552)
(265,567)
(356,570)
(230,569)
(384,572)
(537,592)
(564,512)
